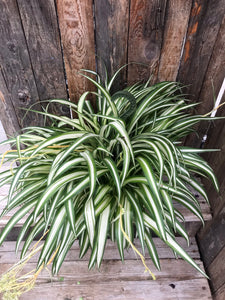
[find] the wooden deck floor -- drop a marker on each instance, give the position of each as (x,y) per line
(116,280)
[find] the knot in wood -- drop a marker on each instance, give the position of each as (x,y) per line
(24,96)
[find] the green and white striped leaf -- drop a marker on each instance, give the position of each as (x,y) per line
(52,235)
(156,210)
(15,219)
(92,170)
(102,233)
(115,174)
(89,214)
(173,244)
(152,249)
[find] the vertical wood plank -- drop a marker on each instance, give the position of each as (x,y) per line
(111,38)
(211,85)
(220,293)
(178,12)
(216,271)
(16,69)
(216,140)
(197,11)
(7,113)
(77,35)
(206,18)
(211,238)
(41,30)
(145,39)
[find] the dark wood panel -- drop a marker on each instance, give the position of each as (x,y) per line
(7,113)
(77,35)
(211,239)
(216,271)
(111,24)
(177,16)
(146,27)
(212,83)
(197,11)
(42,35)
(220,293)
(204,25)
(216,160)
(15,63)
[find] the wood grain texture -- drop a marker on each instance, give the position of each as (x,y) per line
(145,39)
(216,140)
(216,271)
(197,11)
(111,17)
(7,112)
(211,85)
(115,280)
(41,30)
(77,35)
(205,22)
(178,12)
(7,251)
(187,289)
(211,239)
(16,66)
(220,293)
(192,223)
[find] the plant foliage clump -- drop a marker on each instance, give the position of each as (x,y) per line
(115,173)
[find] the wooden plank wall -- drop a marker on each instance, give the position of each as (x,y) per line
(211,239)
(167,39)
(44,44)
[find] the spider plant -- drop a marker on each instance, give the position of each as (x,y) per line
(114,173)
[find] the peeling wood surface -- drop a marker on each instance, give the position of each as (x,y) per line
(147,19)
(41,30)
(178,12)
(17,78)
(111,26)
(77,34)
(204,25)
(190,40)
(7,112)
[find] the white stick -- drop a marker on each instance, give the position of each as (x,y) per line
(219,98)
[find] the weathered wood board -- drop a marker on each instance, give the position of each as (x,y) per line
(212,238)
(204,25)
(111,34)
(192,222)
(178,12)
(17,78)
(146,26)
(216,271)
(77,36)
(220,293)
(111,253)
(212,83)
(7,112)
(41,30)
(116,280)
